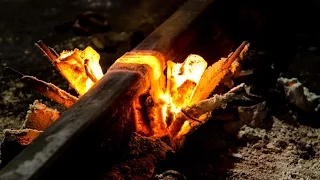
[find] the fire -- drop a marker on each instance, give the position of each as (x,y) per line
(183,85)
(170,94)
(80,68)
(182,80)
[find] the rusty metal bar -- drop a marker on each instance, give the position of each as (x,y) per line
(114,90)
(173,36)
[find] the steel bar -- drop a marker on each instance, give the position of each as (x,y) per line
(175,35)
(90,114)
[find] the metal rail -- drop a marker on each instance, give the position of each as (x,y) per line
(69,141)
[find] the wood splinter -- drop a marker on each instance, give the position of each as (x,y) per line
(47,89)
(51,91)
(48,51)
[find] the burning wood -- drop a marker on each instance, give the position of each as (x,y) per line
(172,105)
(80,68)
(40,117)
(175,101)
(200,112)
(183,79)
(205,84)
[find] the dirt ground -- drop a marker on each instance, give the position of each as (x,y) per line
(288,149)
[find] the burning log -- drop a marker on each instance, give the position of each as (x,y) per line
(144,153)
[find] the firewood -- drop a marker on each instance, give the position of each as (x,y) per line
(51,91)
(40,117)
(47,89)
(80,68)
(217,72)
(202,108)
(217,101)
(49,52)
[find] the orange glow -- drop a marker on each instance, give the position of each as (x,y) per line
(191,69)
(169,92)
(152,59)
(182,80)
(168,97)
(186,127)
(80,68)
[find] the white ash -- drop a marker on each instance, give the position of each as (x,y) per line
(299,95)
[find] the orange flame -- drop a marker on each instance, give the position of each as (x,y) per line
(182,80)
(82,70)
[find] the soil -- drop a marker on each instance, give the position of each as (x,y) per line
(289,148)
